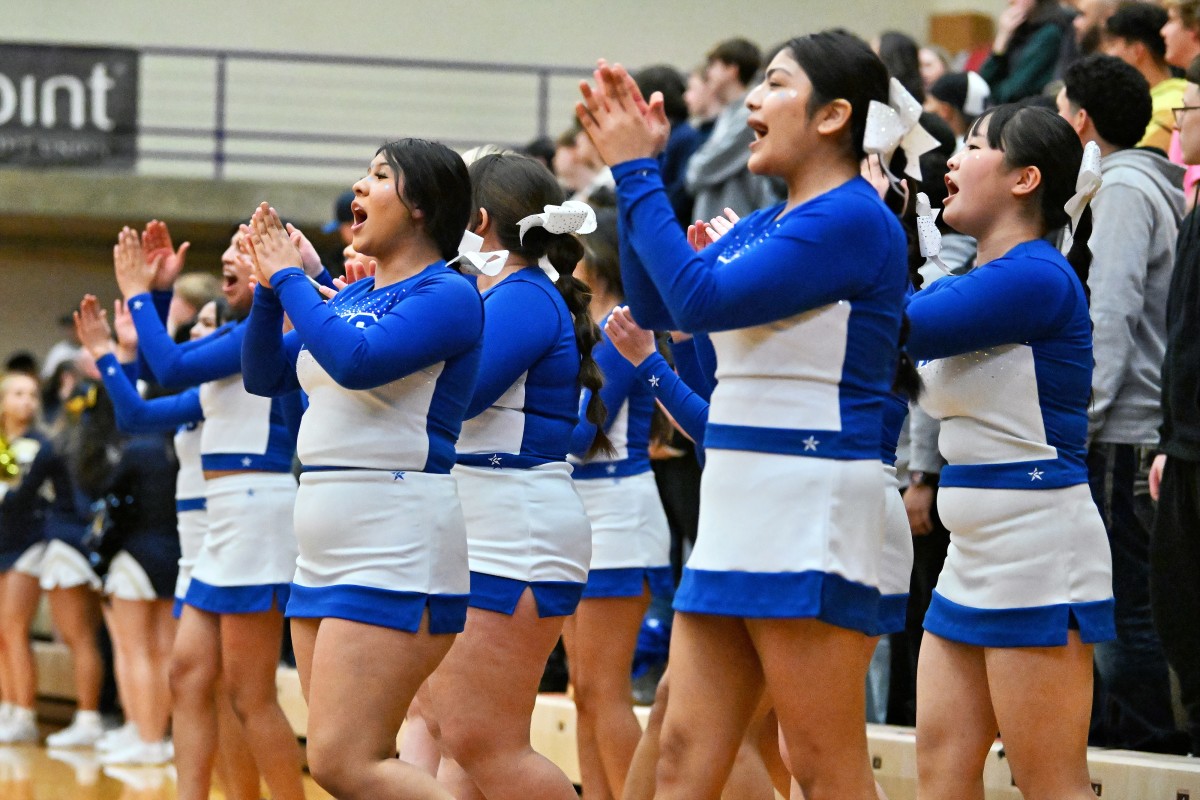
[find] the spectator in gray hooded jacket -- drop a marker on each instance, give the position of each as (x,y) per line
(717,175)
(1136,219)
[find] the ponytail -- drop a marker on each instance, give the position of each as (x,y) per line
(907,381)
(587,335)
(1080,255)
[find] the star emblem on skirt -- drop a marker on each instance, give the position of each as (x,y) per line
(397,476)
(810,443)
(495,461)
(1036,475)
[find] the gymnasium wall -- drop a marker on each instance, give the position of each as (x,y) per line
(56,227)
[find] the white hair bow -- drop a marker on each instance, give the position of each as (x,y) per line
(474,260)
(978,93)
(928,235)
(571,217)
(897,125)
(1086,185)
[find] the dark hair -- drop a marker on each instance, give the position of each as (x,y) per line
(1189,12)
(24,362)
(435,183)
(666,79)
(1115,96)
(510,187)
(953,90)
(1140,22)
(602,253)
(1036,137)
(741,53)
(90,441)
(900,54)
(541,149)
(841,65)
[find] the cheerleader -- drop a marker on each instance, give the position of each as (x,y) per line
(1026,589)
(528,537)
(22,508)
(136,742)
(630,540)
(232,622)
(382,581)
(803,301)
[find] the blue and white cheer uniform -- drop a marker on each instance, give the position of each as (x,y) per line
(388,372)
(803,309)
(1009,365)
(183,414)
(631,540)
(248,554)
(526,526)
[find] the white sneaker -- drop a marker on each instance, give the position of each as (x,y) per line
(84,731)
(139,753)
(117,738)
(140,779)
(19,728)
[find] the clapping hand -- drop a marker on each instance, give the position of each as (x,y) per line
(633,342)
(91,327)
(701,234)
(160,251)
(270,247)
(135,275)
(308,254)
(619,120)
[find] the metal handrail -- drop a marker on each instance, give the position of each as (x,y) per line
(222,135)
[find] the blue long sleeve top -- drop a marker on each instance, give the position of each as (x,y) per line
(241,432)
(181,413)
(388,371)
(630,405)
(804,310)
(1008,367)
(525,405)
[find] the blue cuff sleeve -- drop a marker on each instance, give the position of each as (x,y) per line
(268,357)
(216,356)
(435,322)
(691,371)
(687,408)
(138,415)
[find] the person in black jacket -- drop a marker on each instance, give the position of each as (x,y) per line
(1175,474)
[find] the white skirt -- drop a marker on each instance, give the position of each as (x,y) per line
(895,566)
(64,567)
(525,528)
(193,527)
(1024,567)
(127,579)
(248,555)
(631,540)
(380,548)
(788,537)
(30,562)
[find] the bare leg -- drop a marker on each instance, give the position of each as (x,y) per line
(639,783)
(135,627)
(1043,702)
(250,646)
(483,697)
(18,604)
(363,679)
(600,640)
(716,683)
(418,739)
(131,699)
(955,723)
(749,778)
(195,676)
(76,612)
(235,764)
(822,717)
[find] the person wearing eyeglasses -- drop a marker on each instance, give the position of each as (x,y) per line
(1175,474)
